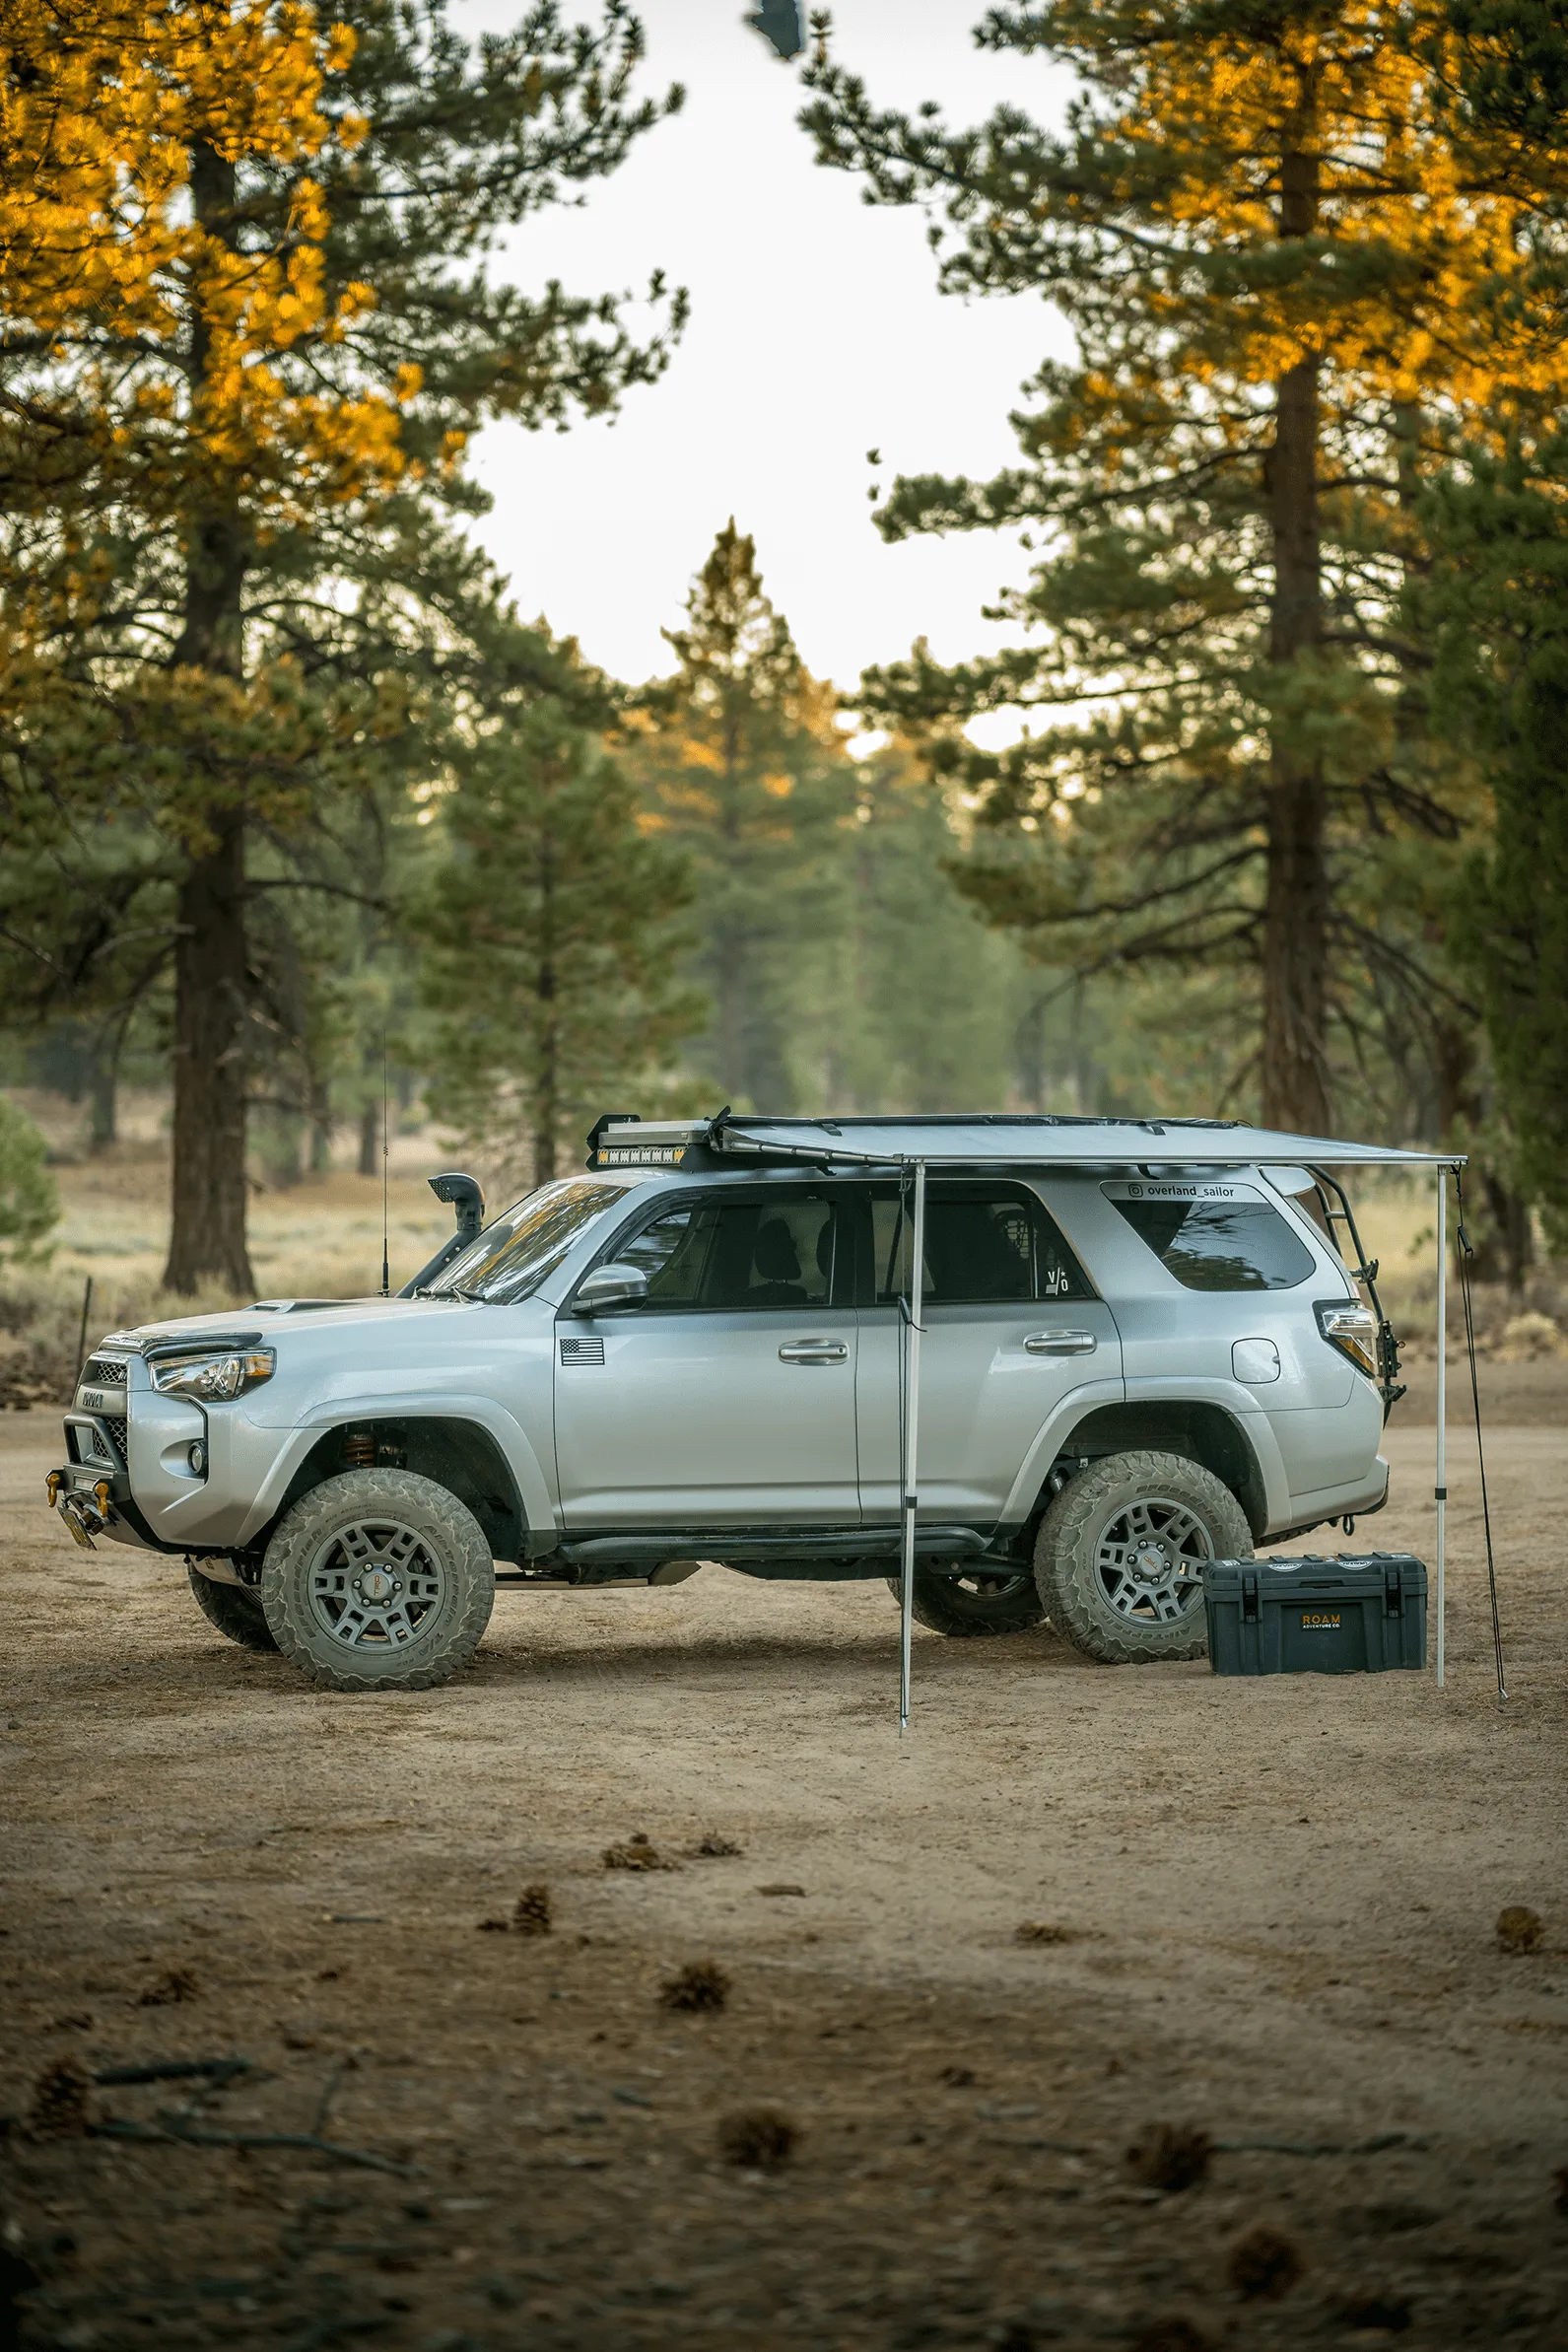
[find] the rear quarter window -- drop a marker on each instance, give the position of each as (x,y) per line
(1214,1237)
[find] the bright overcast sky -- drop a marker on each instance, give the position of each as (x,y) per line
(816,335)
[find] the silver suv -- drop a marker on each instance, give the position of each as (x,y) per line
(693,1352)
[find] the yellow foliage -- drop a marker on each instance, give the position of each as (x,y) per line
(117,117)
(1402,238)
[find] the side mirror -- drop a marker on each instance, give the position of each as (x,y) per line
(610,1286)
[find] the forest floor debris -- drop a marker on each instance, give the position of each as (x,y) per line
(1325,2002)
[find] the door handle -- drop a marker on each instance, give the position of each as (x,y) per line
(814,1351)
(1060,1343)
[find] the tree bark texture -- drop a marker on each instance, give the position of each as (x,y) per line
(547,1095)
(208,1237)
(1295,953)
(207,1240)
(105,1090)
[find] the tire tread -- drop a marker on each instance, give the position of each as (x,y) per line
(365,1494)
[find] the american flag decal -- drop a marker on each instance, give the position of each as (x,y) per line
(583,1351)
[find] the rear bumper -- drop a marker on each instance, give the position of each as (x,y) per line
(1357,1500)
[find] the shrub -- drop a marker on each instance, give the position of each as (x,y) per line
(30,1199)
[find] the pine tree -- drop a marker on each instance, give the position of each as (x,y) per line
(744,771)
(549,947)
(1285,296)
(921,1007)
(247,328)
(1493,600)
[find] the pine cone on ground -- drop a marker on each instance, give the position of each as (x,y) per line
(531,1912)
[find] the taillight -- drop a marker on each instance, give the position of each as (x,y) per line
(1351,1328)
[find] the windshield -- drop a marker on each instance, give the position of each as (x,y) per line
(511,1257)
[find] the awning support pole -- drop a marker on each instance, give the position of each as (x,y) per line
(912,1426)
(1440,1488)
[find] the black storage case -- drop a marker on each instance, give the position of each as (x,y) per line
(1361,1612)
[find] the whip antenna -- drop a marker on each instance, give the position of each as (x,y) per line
(386,1272)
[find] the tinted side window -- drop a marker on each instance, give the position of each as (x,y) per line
(1233,1242)
(983,1242)
(734,1254)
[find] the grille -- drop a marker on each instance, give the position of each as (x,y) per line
(105,1371)
(115,1426)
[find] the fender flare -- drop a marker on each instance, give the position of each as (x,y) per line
(507,1435)
(1240,1408)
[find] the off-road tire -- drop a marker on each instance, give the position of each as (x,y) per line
(945,1606)
(1068,1554)
(449,1540)
(236,1613)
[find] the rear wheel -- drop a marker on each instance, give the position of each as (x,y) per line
(235,1610)
(376,1580)
(972,1601)
(1119,1555)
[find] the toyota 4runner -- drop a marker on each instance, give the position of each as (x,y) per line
(692,1353)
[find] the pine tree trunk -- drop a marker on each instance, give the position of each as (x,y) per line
(321,1123)
(370,1159)
(207,1239)
(547,1090)
(731,958)
(105,1087)
(1295,954)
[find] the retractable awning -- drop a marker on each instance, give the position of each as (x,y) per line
(957,1139)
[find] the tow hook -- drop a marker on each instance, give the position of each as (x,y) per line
(85,1519)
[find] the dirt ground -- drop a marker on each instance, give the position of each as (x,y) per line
(1277,1904)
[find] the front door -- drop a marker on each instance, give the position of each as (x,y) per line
(1010,1327)
(727,1400)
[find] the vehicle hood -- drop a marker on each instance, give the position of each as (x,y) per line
(273,1318)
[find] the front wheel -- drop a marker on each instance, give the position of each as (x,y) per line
(378,1580)
(234,1609)
(972,1601)
(1119,1555)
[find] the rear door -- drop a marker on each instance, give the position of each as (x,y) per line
(1011,1327)
(727,1399)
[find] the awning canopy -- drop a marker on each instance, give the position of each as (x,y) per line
(962,1140)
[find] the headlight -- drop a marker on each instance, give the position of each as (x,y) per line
(1354,1329)
(211,1378)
